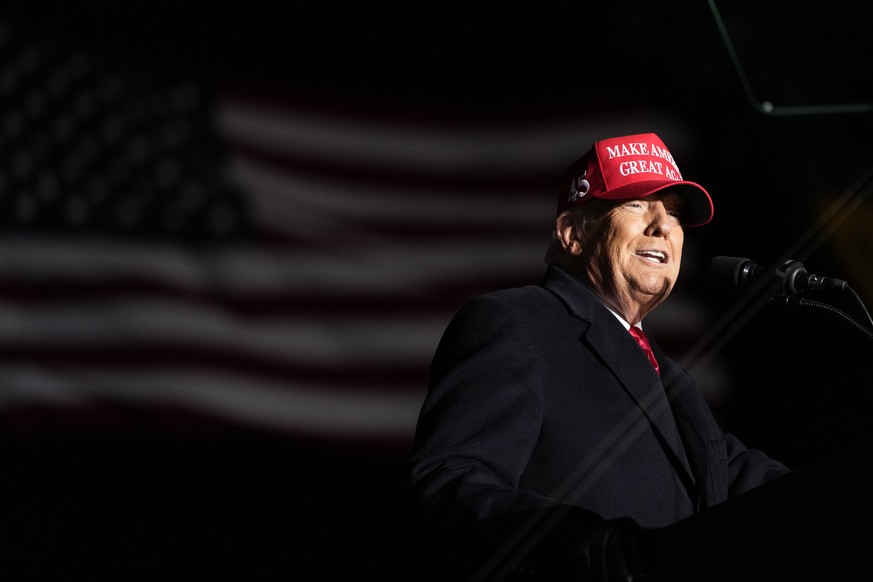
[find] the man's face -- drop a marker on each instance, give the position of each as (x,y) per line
(635,256)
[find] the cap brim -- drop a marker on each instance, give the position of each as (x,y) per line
(698,204)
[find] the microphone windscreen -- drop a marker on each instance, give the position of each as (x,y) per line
(724,273)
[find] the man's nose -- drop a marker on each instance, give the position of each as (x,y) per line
(661,222)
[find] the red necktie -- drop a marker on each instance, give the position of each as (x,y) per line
(644,343)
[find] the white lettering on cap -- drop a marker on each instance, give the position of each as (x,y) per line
(643,166)
(640,167)
(628,149)
(665,154)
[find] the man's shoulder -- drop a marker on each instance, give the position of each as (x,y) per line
(523,292)
(558,293)
(530,300)
(518,295)
(554,279)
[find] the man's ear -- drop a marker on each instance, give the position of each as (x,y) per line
(568,234)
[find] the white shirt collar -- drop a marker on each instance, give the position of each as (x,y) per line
(620,318)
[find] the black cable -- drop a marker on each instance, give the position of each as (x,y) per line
(861,304)
(792,302)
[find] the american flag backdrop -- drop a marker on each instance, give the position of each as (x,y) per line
(185,256)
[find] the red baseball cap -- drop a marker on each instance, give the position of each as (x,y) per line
(632,166)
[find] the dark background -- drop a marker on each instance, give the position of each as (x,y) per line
(142,505)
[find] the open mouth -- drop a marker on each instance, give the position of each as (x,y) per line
(653,256)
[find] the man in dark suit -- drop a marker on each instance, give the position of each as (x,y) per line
(550,440)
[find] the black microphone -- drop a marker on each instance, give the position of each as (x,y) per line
(733,273)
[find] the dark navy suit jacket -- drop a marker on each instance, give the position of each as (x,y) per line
(540,399)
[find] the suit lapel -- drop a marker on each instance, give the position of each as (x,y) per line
(642,384)
(623,357)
